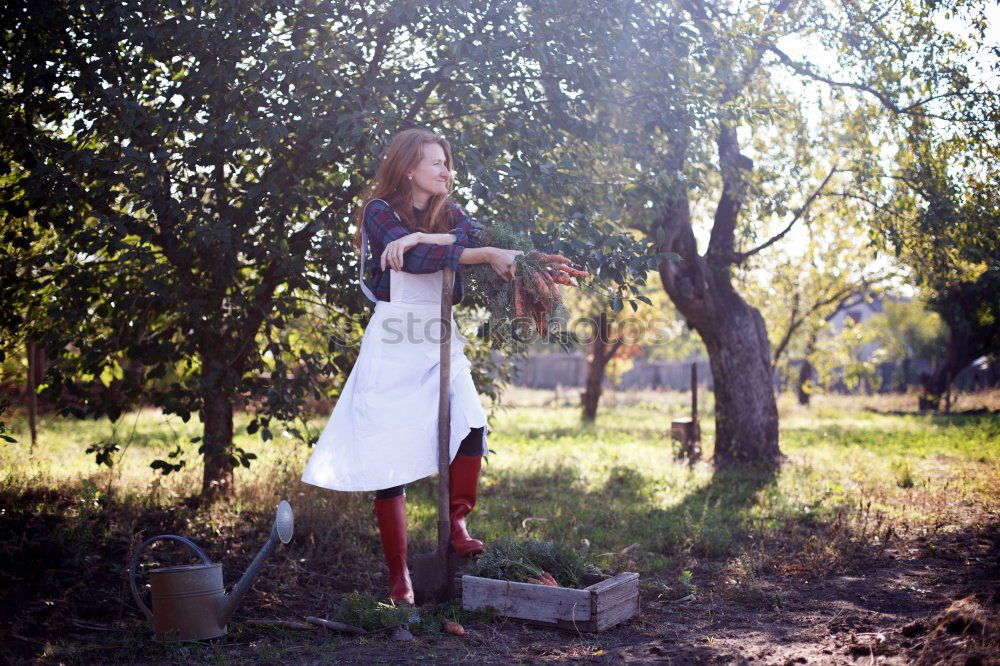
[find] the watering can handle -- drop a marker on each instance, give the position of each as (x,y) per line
(135,561)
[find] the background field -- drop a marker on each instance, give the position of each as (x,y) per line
(873,523)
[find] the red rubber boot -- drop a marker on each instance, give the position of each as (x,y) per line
(463,481)
(391,515)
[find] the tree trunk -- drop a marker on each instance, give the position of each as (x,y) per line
(904,379)
(962,309)
(602,351)
(746,412)
(739,353)
(32,396)
(217,418)
(937,383)
(805,375)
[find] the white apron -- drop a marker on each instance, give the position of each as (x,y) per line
(384,428)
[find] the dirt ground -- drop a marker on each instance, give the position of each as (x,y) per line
(910,604)
(891,610)
(906,607)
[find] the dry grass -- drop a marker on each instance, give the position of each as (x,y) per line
(967,632)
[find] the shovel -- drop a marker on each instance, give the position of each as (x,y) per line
(433,573)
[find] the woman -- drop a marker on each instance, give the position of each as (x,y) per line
(383,432)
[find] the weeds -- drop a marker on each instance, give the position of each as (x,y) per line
(370,613)
(684,580)
(520,560)
(904,474)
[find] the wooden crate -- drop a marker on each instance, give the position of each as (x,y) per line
(596,607)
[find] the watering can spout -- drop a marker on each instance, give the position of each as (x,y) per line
(281,531)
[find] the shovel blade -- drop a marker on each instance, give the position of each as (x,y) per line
(434,579)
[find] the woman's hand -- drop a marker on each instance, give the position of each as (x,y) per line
(502,261)
(393,252)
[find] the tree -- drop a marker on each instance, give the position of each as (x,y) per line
(933,202)
(801,284)
(192,168)
(813,348)
(949,234)
(693,100)
(668,86)
(848,359)
(196,163)
(613,338)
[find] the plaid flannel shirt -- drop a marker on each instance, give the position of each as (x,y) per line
(382,226)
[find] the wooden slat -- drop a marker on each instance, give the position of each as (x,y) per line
(612,615)
(526,600)
(614,590)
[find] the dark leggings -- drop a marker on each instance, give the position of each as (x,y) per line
(472,445)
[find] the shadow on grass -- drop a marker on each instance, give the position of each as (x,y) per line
(990,420)
(626,508)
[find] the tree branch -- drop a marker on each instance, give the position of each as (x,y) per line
(684,280)
(873,204)
(793,324)
(882,97)
(429,87)
(743,256)
(805,71)
(847,297)
(732,163)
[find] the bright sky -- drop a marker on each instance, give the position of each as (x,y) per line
(824,60)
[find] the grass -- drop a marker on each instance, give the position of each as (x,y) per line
(853,483)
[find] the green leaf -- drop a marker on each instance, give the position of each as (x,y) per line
(165,467)
(616,303)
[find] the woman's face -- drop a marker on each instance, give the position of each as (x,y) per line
(432,174)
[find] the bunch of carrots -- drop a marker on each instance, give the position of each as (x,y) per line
(535,291)
(545,579)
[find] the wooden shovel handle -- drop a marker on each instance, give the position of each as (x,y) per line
(444,416)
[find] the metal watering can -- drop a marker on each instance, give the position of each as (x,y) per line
(190,601)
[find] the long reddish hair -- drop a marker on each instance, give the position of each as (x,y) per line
(391,184)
